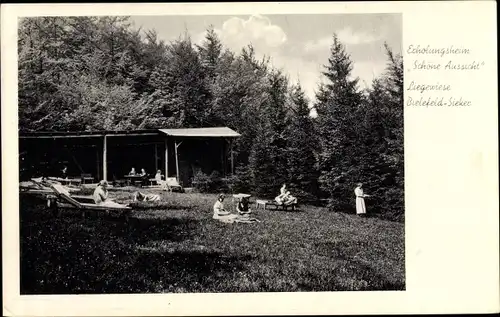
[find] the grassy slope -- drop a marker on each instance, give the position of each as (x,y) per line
(177,247)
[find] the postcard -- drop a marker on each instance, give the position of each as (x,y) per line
(250,158)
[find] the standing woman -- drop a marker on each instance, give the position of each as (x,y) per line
(360,200)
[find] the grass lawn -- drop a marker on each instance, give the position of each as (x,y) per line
(176,246)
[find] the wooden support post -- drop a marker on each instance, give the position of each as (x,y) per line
(222,156)
(105,159)
(98,163)
(232,158)
(166,158)
(156,158)
(177,160)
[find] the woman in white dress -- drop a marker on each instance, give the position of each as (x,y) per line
(360,200)
(219,212)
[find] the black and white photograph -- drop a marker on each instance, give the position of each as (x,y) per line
(211,153)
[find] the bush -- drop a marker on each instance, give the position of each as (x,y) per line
(303,196)
(213,183)
(201,182)
(241,181)
(216,183)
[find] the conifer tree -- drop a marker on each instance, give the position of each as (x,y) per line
(301,148)
(337,128)
(181,86)
(268,158)
(210,51)
(383,120)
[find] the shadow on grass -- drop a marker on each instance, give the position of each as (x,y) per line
(70,255)
(136,272)
(186,271)
(352,274)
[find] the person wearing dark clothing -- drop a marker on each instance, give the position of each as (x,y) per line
(243,206)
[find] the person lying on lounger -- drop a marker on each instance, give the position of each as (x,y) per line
(101,195)
(138,196)
(285,197)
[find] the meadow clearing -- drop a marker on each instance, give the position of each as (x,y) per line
(175,246)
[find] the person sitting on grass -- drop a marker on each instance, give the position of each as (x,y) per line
(138,196)
(101,195)
(243,206)
(219,211)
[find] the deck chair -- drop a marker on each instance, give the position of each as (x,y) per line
(38,186)
(65,200)
(265,203)
(173,184)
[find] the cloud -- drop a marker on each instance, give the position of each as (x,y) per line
(305,72)
(301,61)
(348,37)
(257,30)
(320,45)
(367,71)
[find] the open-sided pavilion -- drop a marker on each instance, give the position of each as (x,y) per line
(110,155)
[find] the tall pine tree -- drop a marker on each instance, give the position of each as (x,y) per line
(383,120)
(337,129)
(268,159)
(301,148)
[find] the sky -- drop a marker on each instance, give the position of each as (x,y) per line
(299,44)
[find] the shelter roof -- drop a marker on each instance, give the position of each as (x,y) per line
(223,132)
(186,132)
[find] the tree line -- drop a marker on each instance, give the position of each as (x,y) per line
(94,73)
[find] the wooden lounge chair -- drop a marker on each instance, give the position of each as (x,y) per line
(265,203)
(65,200)
(173,184)
(40,187)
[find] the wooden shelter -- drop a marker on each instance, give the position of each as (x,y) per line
(111,154)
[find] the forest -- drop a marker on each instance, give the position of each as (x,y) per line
(100,73)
